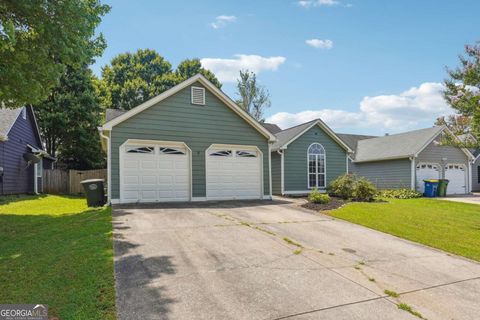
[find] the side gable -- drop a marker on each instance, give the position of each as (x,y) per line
(198,80)
(319,123)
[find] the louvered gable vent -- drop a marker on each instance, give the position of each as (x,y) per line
(198,96)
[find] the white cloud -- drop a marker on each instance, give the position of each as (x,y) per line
(222,21)
(317,3)
(227,70)
(320,44)
(417,106)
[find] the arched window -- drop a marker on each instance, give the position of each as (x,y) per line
(316,166)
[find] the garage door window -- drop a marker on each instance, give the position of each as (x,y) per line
(143,149)
(455,167)
(427,166)
(221,153)
(166,150)
(246,154)
(316,166)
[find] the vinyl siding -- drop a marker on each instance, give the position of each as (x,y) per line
(176,119)
(476,175)
(390,174)
(18,178)
(434,153)
(276,173)
(295,159)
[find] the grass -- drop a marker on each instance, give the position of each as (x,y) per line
(297,251)
(293,243)
(56,251)
(450,226)
(391,293)
(406,307)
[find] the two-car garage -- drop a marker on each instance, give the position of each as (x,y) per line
(161,171)
(455,173)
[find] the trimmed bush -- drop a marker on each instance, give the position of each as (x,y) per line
(316,197)
(364,190)
(400,194)
(342,186)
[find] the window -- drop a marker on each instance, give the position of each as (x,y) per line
(246,154)
(165,150)
(316,166)
(221,153)
(136,149)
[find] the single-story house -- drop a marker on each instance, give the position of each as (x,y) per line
(190,143)
(306,156)
(22,153)
(404,160)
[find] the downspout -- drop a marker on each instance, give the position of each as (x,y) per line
(282,188)
(470,175)
(412,173)
(109,176)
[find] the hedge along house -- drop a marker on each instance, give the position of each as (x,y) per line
(307,156)
(190,143)
(404,160)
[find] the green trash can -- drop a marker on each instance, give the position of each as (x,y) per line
(94,192)
(442,187)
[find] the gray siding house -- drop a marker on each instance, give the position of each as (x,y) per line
(190,143)
(307,156)
(405,160)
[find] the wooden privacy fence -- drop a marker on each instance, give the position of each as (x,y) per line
(59,181)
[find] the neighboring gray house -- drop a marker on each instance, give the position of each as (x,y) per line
(190,143)
(405,160)
(470,139)
(307,156)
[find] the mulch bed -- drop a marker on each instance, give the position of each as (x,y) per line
(334,203)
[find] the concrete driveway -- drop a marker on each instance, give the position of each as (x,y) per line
(242,260)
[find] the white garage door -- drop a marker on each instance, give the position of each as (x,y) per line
(426,171)
(233,174)
(457,176)
(151,173)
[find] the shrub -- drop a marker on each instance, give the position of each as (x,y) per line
(400,194)
(364,190)
(316,197)
(342,186)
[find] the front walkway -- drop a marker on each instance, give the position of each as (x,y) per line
(473,198)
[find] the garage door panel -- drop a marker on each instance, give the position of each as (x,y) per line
(160,174)
(426,171)
(231,176)
(457,176)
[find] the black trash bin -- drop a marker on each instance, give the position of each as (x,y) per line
(94,192)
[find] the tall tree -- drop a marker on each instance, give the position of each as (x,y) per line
(133,78)
(190,67)
(38,38)
(69,118)
(462,89)
(458,124)
(254,98)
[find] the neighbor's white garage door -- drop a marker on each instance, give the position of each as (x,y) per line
(457,176)
(233,173)
(426,171)
(151,173)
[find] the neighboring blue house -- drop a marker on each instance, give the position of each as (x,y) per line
(20,147)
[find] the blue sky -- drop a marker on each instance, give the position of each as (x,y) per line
(362,66)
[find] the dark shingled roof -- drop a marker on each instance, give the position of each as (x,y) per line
(272,127)
(111,114)
(7,119)
(288,134)
(352,139)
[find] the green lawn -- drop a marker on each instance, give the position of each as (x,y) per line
(450,226)
(56,251)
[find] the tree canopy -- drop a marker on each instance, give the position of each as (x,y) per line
(254,98)
(69,118)
(38,39)
(132,78)
(463,88)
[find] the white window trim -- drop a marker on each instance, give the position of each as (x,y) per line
(316,167)
(192,88)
